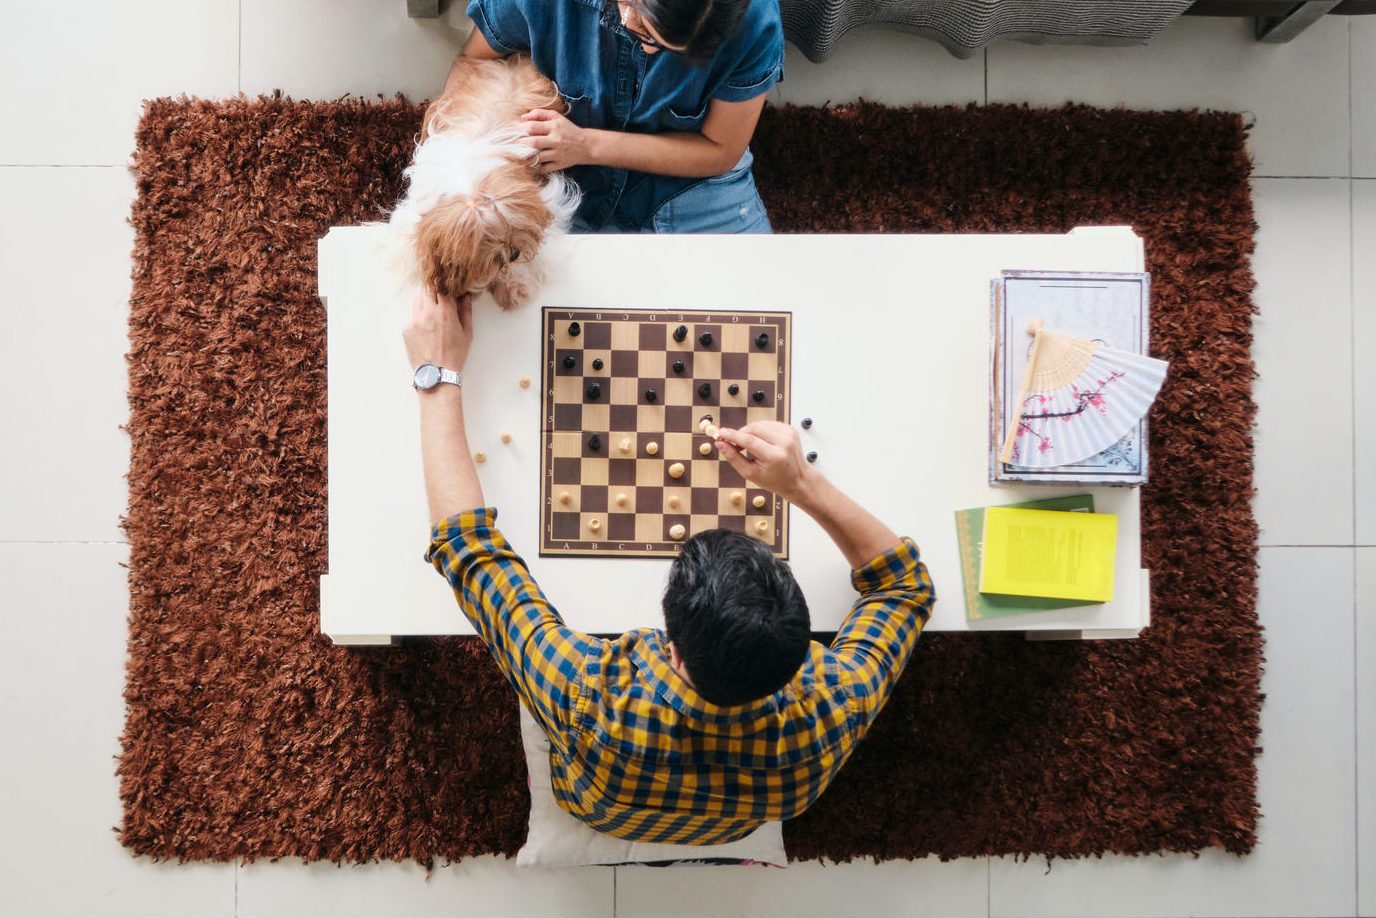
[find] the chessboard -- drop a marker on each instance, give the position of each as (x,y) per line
(624,393)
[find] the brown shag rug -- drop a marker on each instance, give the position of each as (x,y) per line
(248,735)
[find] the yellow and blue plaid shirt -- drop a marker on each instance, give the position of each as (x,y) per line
(635,751)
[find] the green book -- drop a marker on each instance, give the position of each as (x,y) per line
(970,537)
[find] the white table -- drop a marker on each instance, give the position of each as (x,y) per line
(890,359)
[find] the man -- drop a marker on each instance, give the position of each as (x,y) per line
(732,716)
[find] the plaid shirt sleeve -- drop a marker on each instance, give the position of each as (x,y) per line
(878,636)
(542,658)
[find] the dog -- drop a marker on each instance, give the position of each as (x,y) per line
(475,210)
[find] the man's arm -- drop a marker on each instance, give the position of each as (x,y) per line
(776,462)
(896,595)
(879,635)
(440,332)
(451,480)
(541,658)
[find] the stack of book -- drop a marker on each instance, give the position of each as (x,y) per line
(1111,311)
(1036,556)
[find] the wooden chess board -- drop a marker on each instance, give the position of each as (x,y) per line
(615,382)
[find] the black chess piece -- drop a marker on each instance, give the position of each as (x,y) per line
(651,395)
(575,329)
(706,339)
(758,395)
(812,457)
(807,423)
(569,362)
(595,443)
(734,389)
(678,366)
(680,333)
(705,390)
(597,363)
(762,340)
(594,391)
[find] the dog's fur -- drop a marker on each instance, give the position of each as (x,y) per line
(475,210)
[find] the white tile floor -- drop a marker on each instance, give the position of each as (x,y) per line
(75,73)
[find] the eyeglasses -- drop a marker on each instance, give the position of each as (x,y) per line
(649,40)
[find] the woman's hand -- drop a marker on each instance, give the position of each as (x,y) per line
(440,330)
(776,457)
(558,142)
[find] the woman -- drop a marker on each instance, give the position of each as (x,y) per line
(663,98)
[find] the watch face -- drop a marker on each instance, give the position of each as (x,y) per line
(427,376)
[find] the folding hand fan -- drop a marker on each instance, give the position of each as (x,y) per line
(1077,398)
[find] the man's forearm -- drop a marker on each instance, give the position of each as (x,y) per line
(451,479)
(683,153)
(859,534)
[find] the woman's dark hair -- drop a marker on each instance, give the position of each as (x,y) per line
(737,617)
(699,26)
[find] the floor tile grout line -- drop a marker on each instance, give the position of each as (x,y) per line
(1352,281)
(1330,178)
(1352,348)
(63,542)
(1310,545)
(63,165)
(1356,745)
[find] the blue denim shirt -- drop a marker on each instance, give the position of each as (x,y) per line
(610,83)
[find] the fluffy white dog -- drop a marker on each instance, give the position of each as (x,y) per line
(475,210)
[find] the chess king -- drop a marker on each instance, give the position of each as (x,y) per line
(730,711)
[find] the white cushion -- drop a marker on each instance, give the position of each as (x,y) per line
(557,839)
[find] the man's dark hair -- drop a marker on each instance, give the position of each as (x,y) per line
(736,616)
(699,26)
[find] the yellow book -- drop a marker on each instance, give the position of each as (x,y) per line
(1048,553)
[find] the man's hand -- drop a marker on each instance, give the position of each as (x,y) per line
(776,462)
(776,457)
(558,142)
(440,330)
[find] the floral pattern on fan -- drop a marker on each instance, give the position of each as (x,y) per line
(1078,398)
(1038,433)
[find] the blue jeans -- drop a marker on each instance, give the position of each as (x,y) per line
(726,203)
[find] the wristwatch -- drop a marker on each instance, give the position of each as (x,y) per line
(428,376)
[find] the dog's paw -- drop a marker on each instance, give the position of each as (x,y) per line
(511,294)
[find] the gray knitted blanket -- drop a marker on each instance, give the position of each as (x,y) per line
(964,26)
